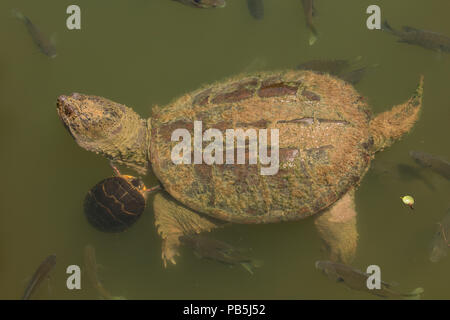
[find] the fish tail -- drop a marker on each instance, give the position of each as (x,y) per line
(251,265)
(415,294)
(313,35)
(16,13)
(247,266)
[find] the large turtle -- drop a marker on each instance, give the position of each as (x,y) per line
(327,139)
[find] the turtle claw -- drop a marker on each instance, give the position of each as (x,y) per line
(170,251)
(174,220)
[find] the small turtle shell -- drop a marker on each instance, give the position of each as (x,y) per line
(113,205)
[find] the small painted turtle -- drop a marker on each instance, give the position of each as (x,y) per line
(116,203)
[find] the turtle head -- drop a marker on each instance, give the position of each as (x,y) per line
(107,128)
(90,119)
(137,183)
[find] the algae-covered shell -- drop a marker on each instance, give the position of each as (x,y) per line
(324,146)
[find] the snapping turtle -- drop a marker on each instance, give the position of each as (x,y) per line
(327,139)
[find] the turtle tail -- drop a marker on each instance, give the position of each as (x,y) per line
(391,125)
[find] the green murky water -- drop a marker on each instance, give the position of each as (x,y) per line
(146,52)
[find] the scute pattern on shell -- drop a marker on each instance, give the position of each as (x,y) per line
(113,205)
(323,137)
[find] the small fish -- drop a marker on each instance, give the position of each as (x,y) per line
(40,274)
(219,251)
(435,163)
(426,39)
(310,12)
(357,280)
(91,267)
(204,4)
(441,239)
(256,8)
(39,38)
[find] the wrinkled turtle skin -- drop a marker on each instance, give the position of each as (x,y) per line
(327,139)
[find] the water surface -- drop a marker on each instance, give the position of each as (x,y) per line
(147,52)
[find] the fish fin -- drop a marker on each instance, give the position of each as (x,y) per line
(312,38)
(415,294)
(16,13)
(247,266)
(252,264)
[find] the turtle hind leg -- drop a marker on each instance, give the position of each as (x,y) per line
(337,228)
(174,220)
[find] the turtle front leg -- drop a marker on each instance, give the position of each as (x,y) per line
(174,220)
(337,228)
